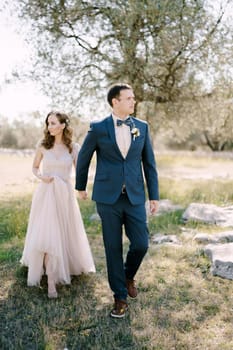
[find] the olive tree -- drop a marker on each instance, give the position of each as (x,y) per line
(157,46)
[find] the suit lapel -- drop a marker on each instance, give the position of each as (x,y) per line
(133,142)
(111,130)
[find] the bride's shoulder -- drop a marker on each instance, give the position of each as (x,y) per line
(39,146)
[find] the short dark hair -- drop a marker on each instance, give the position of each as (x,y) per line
(115,91)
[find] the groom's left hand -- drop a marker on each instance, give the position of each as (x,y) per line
(82,194)
(154,205)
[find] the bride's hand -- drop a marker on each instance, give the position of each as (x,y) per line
(47,179)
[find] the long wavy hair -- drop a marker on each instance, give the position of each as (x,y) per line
(48,140)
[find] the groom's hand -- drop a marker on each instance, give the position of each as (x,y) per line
(82,194)
(154,206)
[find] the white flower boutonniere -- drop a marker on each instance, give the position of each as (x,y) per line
(135,132)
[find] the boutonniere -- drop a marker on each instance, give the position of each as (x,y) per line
(135,132)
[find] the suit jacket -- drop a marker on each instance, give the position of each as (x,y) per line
(112,169)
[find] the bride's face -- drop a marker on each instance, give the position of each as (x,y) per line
(54,126)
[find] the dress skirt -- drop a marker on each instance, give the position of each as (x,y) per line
(56,228)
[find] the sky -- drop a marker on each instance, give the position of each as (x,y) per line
(17,100)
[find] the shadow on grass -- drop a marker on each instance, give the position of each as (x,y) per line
(174,307)
(75,320)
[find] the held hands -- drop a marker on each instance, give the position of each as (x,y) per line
(154,205)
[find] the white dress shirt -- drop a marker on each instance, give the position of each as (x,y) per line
(123,136)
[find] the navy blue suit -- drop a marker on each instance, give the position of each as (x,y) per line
(117,209)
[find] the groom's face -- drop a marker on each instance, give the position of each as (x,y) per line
(125,102)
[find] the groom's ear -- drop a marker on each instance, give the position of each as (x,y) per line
(114,101)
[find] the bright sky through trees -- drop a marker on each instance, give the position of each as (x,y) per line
(19,98)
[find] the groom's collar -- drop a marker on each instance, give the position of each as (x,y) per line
(114,117)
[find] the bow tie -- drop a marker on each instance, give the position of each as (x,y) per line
(126,122)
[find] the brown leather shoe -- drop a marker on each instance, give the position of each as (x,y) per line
(131,287)
(120,308)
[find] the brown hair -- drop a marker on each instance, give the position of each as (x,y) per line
(48,140)
(115,90)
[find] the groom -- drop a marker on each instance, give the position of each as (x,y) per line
(123,147)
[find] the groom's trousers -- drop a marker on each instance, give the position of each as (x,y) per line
(113,218)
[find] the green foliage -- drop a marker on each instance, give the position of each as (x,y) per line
(14,218)
(8,139)
(167,223)
(19,135)
(88,208)
(184,192)
(10,255)
(162,48)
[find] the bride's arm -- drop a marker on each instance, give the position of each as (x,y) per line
(36,167)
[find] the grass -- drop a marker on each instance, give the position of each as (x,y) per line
(205,191)
(180,305)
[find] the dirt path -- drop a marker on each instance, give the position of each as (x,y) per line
(196,165)
(217,170)
(15,174)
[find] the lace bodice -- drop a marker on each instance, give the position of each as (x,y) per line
(57,161)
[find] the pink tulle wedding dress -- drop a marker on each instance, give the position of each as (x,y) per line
(55,224)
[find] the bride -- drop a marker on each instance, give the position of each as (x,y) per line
(56,241)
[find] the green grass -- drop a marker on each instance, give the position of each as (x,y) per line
(180,305)
(14,217)
(203,191)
